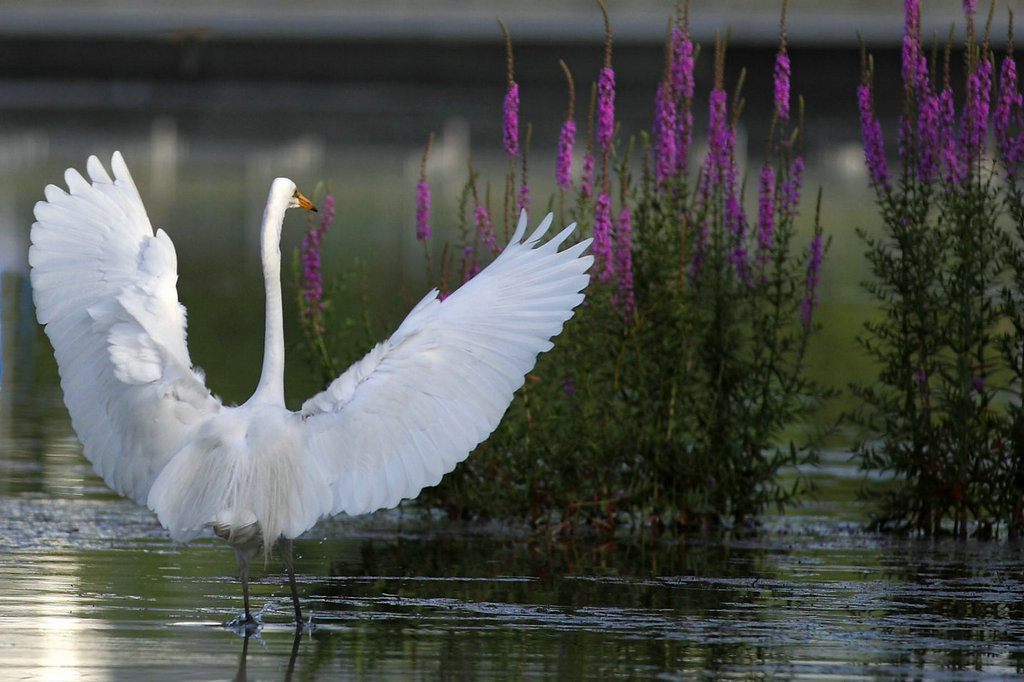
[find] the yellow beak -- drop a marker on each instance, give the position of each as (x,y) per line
(304,202)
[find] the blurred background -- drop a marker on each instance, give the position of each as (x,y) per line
(209,102)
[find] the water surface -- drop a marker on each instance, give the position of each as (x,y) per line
(94,590)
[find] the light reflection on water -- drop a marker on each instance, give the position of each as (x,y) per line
(396,597)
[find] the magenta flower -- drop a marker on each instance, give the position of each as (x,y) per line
(791,186)
(568,387)
(718,161)
(684,135)
(563,164)
(810,300)
(470,264)
(423,196)
(510,120)
(871,131)
(586,184)
(969,7)
(665,165)
(718,171)
(602,248)
(605,106)
(736,223)
(566,137)
(510,109)
(682,62)
(765,213)
(976,111)
(928,135)
(312,278)
(422,210)
(624,263)
(915,65)
(484,227)
(606,89)
(954,168)
(523,200)
(781,81)
(1008,113)
(681,74)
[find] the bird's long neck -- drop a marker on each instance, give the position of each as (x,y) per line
(271,387)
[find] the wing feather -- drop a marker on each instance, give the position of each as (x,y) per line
(105,288)
(418,403)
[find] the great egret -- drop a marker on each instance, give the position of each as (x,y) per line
(395,422)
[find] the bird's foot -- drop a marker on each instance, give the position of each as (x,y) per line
(305,625)
(245,624)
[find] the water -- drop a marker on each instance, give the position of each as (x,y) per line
(94,590)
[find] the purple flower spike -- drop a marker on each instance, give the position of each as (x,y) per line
(327,208)
(810,300)
(602,248)
(605,106)
(684,135)
(781,79)
(765,213)
(976,110)
(510,120)
(312,278)
(563,166)
(482,220)
(682,62)
(953,167)
(791,186)
(871,130)
(718,169)
(736,221)
(1008,113)
(566,136)
(422,210)
(665,134)
(588,174)
(423,196)
(523,200)
(929,140)
(470,264)
(681,79)
(915,65)
(969,7)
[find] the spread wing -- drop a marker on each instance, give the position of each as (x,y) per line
(105,288)
(418,403)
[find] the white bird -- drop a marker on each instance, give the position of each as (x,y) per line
(258,473)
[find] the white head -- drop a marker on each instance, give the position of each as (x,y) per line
(283,193)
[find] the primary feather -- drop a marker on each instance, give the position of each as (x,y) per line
(105,288)
(396,421)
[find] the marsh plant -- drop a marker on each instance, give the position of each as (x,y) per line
(944,413)
(678,394)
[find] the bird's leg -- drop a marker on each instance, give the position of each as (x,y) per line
(243,575)
(285,546)
(240,675)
